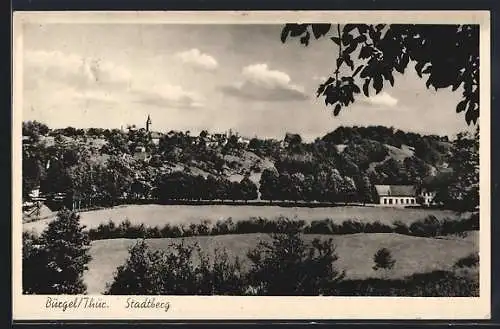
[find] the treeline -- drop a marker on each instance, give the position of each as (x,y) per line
(428,227)
(327,185)
(430,148)
(184,186)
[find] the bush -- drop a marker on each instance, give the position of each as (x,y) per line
(471,260)
(140,275)
(429,227)
(287,266)
(174,272)
(54,263)
(383,260)
(401,228)
(432,284)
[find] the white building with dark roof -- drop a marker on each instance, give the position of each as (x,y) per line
(402,195)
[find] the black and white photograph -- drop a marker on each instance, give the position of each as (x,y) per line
(273,158)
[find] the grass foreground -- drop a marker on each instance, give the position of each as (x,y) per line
(412,254)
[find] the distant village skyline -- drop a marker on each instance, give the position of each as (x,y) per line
(194,78)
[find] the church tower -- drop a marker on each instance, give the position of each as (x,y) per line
(148,123)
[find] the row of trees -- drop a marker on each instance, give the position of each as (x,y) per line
(184,186)
(326,185)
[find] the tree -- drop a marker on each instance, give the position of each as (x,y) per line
(269,184)
(462,191)
(447,55)
(383,259)
(140,275)
(248,189)
(34,129)
(287,266)
(55,262)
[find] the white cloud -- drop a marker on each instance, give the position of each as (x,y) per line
(74,70)
(97,80)
(261,83)
(168,96)
(196,58)
(382,99)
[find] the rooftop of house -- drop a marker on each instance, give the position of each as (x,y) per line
(396,190)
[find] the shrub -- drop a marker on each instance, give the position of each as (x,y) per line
(431,284)
(383,260)
(430,227)
(140,275)
(219,275)
(471,260)
(351,227)
(54,263)
(175,272)
(287,266)
(401,228)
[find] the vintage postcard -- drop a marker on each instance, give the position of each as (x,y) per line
(251,165)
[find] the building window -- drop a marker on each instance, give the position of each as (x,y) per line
(395,201)
(412,201)
(385,201)
(390,201)
(402,201)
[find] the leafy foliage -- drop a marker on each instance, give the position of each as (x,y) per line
(383,259)
(445,55)
(148,272)
(54,263)
(287,266)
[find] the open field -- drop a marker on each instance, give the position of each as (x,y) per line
(355,251)
(159,215)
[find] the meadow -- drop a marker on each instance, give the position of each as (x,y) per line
(355,251)
(159,215)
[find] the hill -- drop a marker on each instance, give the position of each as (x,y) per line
(102,166)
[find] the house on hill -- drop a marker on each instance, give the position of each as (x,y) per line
(403,195)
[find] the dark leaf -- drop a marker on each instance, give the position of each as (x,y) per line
(461,106)
(388,76)
(429,82)
(352,47)
(297,29)
(361,38)
(323,86)
(339,62)
(336,40)
(402,63)
(457,83)
(284,33)
(365,72)
(336,111)
(472,113)
(305,39)
(349,61)
(378,83)
(356,89)
(358,69)
(379,27)
(320,30)
(365,87)
(348,28)
(427,69)
(418,67)
(365,52)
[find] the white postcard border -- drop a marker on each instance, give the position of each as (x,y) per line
(31,307)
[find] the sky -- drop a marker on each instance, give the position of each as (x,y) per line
(213,77)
